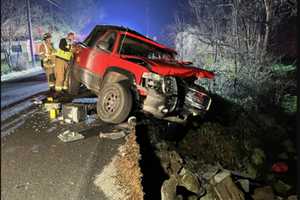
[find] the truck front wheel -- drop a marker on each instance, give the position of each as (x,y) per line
(114,103)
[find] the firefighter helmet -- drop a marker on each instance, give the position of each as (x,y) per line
(46,36)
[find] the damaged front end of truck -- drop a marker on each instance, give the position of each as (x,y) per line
(169,91)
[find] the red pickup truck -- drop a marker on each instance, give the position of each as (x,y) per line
(130,72)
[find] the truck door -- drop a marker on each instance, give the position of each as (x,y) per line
(101,54)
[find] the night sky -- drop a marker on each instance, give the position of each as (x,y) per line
(149,17)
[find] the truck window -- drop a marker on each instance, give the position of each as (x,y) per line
(110,39)
(132,46)
(91,40)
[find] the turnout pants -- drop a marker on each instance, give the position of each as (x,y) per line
(61,74)
(50,76)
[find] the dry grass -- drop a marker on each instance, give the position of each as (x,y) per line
(128,170)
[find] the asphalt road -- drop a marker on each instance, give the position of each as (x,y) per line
(36,165)
(22,88)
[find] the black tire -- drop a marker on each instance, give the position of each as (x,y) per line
(74,85)
(114,103)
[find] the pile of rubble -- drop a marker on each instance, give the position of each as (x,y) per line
(212,182)
(208,164)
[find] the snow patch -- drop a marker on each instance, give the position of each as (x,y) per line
(85,100)
(12,129)
(22,74)
(15,95)
(5,114)
(107,182)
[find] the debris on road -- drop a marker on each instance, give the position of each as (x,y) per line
(38,100)
(53,105)
(35,148)
(70,136)
(132,121)
(113,135)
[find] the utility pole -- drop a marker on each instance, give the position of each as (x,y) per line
(147,18)
(30,32)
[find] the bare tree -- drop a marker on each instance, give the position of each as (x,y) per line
(232,37)
(58,19)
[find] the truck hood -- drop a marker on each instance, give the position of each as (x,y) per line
(174,68)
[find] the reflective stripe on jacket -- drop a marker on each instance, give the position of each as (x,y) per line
(66,55)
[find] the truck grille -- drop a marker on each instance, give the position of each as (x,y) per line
(197,99)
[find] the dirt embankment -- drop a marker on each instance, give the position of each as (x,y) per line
(249,145)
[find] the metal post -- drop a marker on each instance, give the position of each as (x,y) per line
(30,32)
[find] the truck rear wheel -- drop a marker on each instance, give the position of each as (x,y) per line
(114,103)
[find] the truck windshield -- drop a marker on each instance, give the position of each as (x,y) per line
(136,47)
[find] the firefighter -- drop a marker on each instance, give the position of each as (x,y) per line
(63,58)
(47,55)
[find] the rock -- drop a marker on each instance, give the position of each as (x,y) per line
(245,184)
(296,157)
(263,193)
(251,171)
(190,181)
(175,162)
(192,197)
(258,156)
(289,146)
(161,145)
(208,196)
(281,188)
(210,172)
(292,197)
(283,156)
(168,189)
(218,178)
(170,161)
(224,188)
(179,197)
